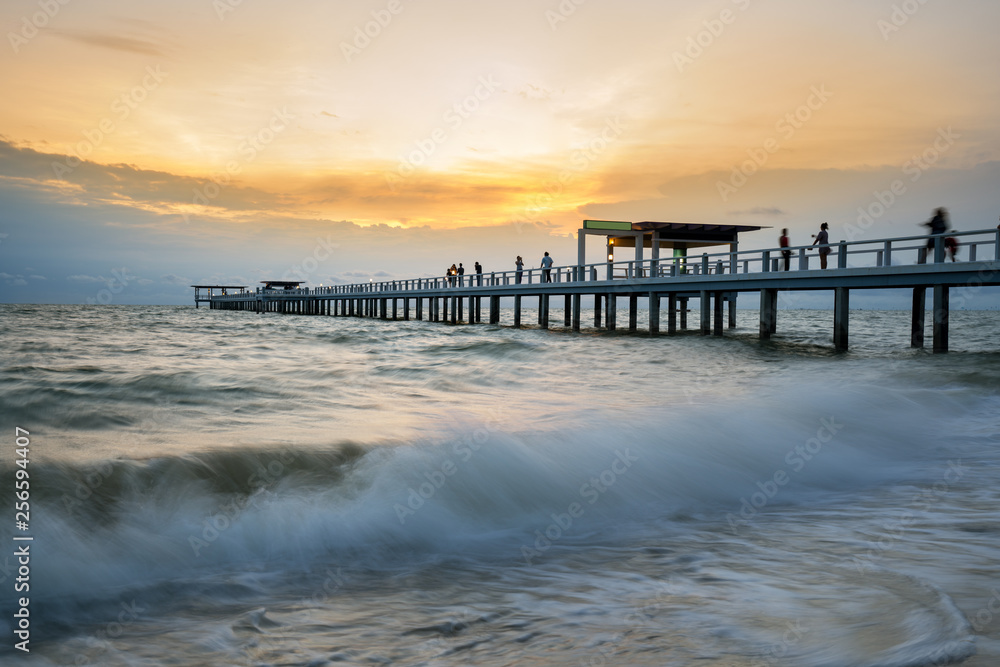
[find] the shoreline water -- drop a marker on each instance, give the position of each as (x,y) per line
(235,481)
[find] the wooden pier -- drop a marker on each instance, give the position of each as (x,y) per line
(714,280)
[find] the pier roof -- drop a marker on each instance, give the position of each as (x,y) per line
(679,236)
(286,284)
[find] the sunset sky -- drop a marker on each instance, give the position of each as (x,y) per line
(188,141)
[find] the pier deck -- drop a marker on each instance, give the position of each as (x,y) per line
(714,279)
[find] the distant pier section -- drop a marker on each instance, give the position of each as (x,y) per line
(670,276)
(224,290)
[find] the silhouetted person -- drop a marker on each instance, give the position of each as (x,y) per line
(518,267)
(951,247)
(784,243)
(461,272)
(547,268)
(452,272)
(938,225)
(479,274)
(823,241)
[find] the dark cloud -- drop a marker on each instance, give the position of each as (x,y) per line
(768,211)
(114,42)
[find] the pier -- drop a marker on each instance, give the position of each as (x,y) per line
(714,280)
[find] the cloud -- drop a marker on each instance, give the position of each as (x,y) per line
(37,277)
(17,281)
(80,278)
(768,211)
(173,279)
(114,42)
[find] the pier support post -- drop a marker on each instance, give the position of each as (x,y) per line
(444,309)
(597,311)
(671,313)
(494,310)
(576,312)
(768,313)
(633,306)
(543,311)
(612,306)
(517,311)
(567,311)
(654,314)
(683,307)
(479,308)
(917,317)
(456,306)
(395,309)
(705,303)
(719,301)
(420,308)
(941,308)
(732,310)
(841,317)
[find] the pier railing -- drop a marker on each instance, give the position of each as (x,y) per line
(979,245)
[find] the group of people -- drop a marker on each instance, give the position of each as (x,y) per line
(456,274)
(546,267)
(938,225)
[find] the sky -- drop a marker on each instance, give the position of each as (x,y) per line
(146,146)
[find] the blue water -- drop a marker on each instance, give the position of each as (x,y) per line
(225,488)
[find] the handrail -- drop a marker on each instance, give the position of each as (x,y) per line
(768,259)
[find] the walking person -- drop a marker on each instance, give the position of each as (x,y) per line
(547,268)
(518,268)
(938,225)
(479,274)
(823,241)
(785,253)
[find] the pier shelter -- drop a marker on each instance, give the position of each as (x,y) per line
(675,237)
(224,290)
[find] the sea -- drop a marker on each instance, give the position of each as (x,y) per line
(224,488)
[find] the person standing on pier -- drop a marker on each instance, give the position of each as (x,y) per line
(823,241)
(785,253)
(452,272)
(461,272)
(547,268)
(518,267)
(479,274)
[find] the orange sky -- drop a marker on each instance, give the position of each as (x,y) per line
(455,114)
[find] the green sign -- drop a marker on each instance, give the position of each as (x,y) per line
(607,224)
